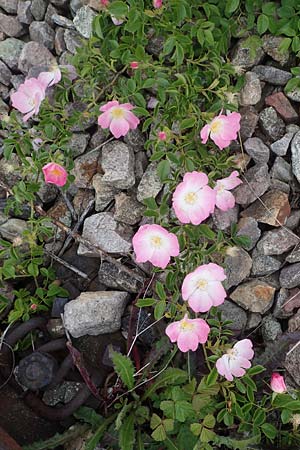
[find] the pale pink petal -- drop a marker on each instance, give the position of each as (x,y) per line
(225,200)
(132,120)
(119,127)
(202,329)
(21,102)
(222,366)
(230,182)
(127,106)
(216,271)
(216,292)
(55,174)
(277,383)
(160,259)
(244,348)
(173,245)
(204,134)
(109,105)
(200,301)
(28,115)
(196,179)
(220,141)
(172,331)
(104,120)
(187,341)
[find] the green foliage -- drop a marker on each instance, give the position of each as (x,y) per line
(124,368)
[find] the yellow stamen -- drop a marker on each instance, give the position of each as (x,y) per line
(56,172)
(215,126)
(156,241)
(118,113)
(202,284)
(186,326)
(190,198)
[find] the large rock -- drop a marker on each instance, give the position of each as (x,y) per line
(11,26)
(251,91)
(230,311)
(95,313)
(258,151)
(150,184)
(264,265)
(42,33)
(104,193)
(273,208)
(282,106)
(224,219)
(83,21)
(118,165)
(102,230)
(249,120)
(271,124)
(127,209)
(247,226)
(78,143)
(272,75)
(270,329)
(24,13)
(38,9)
(10,51)
(237,266)
(9,6)
(258,182)
(34,54)
(245,55)
(280,300)
(281,170)
(276,242)
(290,276)
(281,146)
(85,167)
(116,278)
(295,148)
(271,45)
(255,296)
(292,362)
(5,74)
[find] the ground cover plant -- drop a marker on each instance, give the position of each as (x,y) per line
(161,67)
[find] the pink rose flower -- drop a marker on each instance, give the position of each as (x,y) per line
(225,199)
(162,136)
(222,129)
(203,289)
(33,307)
(28,98)
(50,78)
(134,65)
(236,360)
(118,118)
(155,244)
(157,3)
(55,174)
(193,200)
(104,2)
(188,333)
(277,383)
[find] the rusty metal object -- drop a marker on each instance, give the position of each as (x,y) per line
(36,371)
(7,442)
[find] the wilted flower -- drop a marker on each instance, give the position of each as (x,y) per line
(278,383)
(55,174)
(203,289)
(225,199)
(236,360)
(118,118)
(28,98)
(155,244)
(188,333)
(222,129)
(193,199)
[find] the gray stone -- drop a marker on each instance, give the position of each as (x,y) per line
(72,40)
(38,9)
(104,194)
(141,163)
(78,108)
(59,41)
(249,120)
(116,278)
(48,192)
(264,265)
(9,6)
(34,54)
(150,184)
(85,167)
(62,21)
(290,276)
(272,125)
(254,319)
(10,51)
(155,45)
(280,186)
(13,228)
(63,393)
(251,91)
(255,296)
(75,5)
(98,138)
(271,45)
(5,74)
(11,26)
(118,165)
(247,226)
(102,230)
(230,311)
(295,149)
(258,151)
(281,170)
(135,139)
(55,328)
(95,313)
(237,266)
(293,220)
(60,3)
(279,312)
(276,242)
(17,80)
(272,75)
(258,182)
(42,33)
(272,208)
(3,106)
(293,94)
(51,10)
(294,256)
(281,146)
(24,12)
(78,143)
(292,362)
(244,55)
(82,200)
(270,328)
(127,209)
(83,21)
(292,128)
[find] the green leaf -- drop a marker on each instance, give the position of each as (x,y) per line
(255,370)
(163,169)
(259,417)
(118,9)
(207,435)
(188,123)
(160,290)
(170,376)
(144,302)
(96,438)
(183,410)
(159,309)
(33,269)
(212,377)
(209,421)
(231,6)
(88,415)
(196,428)
(206,231)
(124,368)
(262,23)
(284,45)
(127,433)
(286,415)
(269,430)
(168,407)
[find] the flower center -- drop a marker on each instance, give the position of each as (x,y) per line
(202,284)
(117,113)
(156,241)
(190,198)
(186,326)
(231,353)
(56,172)
(221,187)
(216,126)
